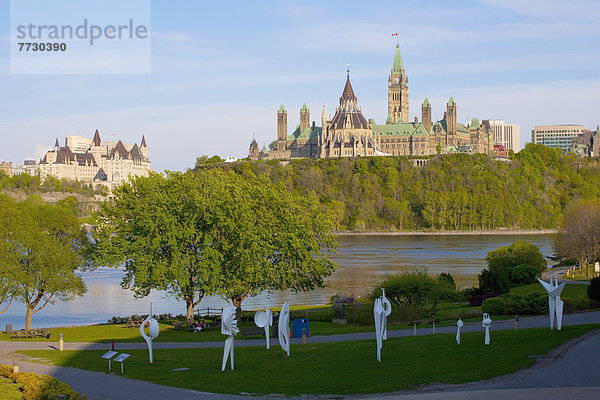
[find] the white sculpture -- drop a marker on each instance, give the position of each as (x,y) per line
(153,331)
(381,310)
(228,327)
(459,325)
(486,323)
(283,328)
(555,304)
(264,319)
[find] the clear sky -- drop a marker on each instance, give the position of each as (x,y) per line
(221,69)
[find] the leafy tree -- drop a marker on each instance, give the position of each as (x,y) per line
(267,238)
(518,253)
(579,237)
(273,145)
(158,227)
(39,245)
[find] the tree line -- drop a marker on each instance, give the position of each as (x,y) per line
(451,192)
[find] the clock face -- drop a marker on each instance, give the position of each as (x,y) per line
(396,80)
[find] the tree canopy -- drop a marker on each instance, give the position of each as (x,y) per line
(268,238)
(213,232)
(39,253)
(518,263)
(450,192)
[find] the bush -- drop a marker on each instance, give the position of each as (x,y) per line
(593,292)
(361,313)
(494,280)
(416,290)
(39,387)
(523,273)
(531,303)
(493,306)
(576,304)
(478,300)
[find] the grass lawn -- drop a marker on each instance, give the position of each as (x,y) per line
(334,368)
(573,291)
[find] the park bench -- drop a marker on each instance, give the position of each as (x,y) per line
(252,331)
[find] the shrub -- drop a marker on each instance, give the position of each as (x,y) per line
(361,313)
(478,300)
(493,306)
(523,273)
(593,292)
(576,304)
(39,387)
(494,280)
(531,303)
(414,289)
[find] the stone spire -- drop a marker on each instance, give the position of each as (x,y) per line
(143,144)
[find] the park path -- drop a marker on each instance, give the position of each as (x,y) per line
(575,372)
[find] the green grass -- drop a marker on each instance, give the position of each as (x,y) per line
(569,292)
(335,368)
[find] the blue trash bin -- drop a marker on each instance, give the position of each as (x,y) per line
(298,325)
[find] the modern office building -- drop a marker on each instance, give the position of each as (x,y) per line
(507,135)
(556,135)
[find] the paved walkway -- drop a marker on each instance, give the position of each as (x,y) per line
(575,373)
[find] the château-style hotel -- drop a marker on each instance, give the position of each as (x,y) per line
(95,162)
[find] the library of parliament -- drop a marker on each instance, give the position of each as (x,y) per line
(349,134)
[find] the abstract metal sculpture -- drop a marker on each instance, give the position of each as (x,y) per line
(555,304)
(283,328)
(228,327)
(486,323)
(153,331)
(381,310)
(264,319)
(459,325)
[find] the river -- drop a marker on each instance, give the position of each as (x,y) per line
(362,262)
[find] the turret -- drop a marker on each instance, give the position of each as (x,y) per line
(304,117)
(281,128)
(451,116)
(426,115)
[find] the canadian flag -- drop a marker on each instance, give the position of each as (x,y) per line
(395,34)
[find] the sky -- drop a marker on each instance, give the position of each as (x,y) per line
(220,71)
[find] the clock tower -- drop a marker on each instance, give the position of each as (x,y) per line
(398,91)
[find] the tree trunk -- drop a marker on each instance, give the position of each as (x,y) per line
(237,302)
(28,315)
(190,311)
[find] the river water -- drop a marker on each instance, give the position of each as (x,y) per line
(362,262)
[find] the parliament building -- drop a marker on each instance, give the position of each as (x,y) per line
(349,134)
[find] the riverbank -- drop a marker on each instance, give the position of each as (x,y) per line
(449,233)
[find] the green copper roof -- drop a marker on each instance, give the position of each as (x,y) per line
(398,67)
(425,102)
(400,129)
(304,107)
(307,133)
(451,102)
(389,120)
(475,124)
(281,109)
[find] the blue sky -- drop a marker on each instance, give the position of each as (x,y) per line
(220,70)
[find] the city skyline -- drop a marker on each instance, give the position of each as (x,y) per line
(220,72)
